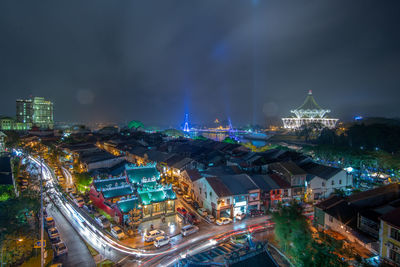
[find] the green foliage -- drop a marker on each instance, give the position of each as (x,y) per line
(229,140)
(135,125)
(83,181)
(6,192)
(15,213)
(200,137)
(294,236)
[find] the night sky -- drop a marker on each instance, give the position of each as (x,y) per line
(155,60)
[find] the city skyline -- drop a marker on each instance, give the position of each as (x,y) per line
(248,60)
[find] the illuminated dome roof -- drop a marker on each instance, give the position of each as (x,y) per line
(310,108)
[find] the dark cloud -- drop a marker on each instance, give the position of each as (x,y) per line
(155,60)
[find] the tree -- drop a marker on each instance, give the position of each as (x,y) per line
(294,237)
(83,181)
(229,140)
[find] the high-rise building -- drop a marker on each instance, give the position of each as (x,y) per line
(36,112)
(25,111)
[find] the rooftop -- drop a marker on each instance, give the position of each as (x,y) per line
(238,184)
(322,171)
(218,186)
(137,174)
(392,217)
(129,204)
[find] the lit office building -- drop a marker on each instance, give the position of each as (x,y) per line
(36,112)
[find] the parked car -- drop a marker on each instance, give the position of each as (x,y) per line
(254,213)
(60,248)
(102,221)
(79,202)
(179,192)
(210,218)
(69,189)
(240,216)
(196,205)
(53,232)
(161,241)
(189,229)
(187,199)
(150,236)
(202,211)
(117,232)
(182,211)
(193,218)
(223,220)
(49,222)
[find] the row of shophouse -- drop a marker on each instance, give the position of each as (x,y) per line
(224,178)
(370,219)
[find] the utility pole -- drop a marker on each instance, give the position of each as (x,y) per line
(41,215)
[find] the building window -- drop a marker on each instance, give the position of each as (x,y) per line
(323,184)
(228,201)
(394,256)
(340,181)
(210,194)
(331,219)
(333,182)
(395,234)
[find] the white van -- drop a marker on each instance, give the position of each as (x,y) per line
(161,241)
(189,229)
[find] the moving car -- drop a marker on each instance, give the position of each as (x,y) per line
(189,229)
(202,211)
(240,216)
(102,221)
(223,220)
(79,202)
(53,232)
(161,241)
(117,232)
(60,249)
(187,199)
(150,236)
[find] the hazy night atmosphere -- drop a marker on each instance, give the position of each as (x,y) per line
(200,133)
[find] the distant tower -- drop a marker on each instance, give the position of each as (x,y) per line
(230,125)
(186,126)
